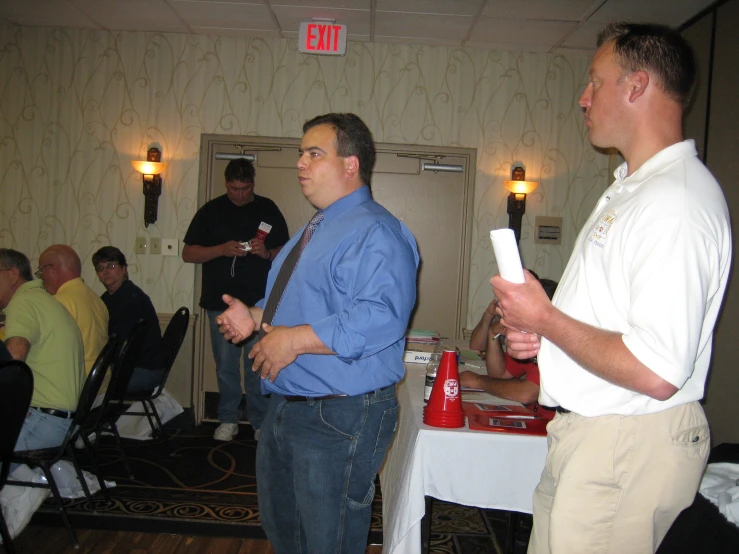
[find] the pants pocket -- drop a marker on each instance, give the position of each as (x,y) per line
(388,425)
(694,441)
(366,501)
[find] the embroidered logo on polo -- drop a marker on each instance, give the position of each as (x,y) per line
(601,228)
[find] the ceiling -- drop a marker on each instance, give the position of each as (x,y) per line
(528,25)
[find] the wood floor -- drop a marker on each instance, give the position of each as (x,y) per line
(54,540)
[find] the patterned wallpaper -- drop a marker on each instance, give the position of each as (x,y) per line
(76,106)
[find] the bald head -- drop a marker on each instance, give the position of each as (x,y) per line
(59,264)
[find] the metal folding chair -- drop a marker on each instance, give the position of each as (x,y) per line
(16,390)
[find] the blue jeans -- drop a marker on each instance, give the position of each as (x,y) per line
(316,468)
(143,379)
(227,356)
(41,430)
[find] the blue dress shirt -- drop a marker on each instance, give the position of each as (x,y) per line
(355,285)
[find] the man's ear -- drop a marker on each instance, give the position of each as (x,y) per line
(638,83)
(15,275)
(351,166)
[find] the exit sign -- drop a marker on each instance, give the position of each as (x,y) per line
(322,37)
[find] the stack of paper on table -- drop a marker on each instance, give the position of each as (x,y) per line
(419,345)
(422,336)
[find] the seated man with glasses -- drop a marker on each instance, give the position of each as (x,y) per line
(127,304)
(40,332)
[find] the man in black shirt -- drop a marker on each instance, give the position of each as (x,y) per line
(235,236)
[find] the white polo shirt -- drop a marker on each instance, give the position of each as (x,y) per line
(651,263)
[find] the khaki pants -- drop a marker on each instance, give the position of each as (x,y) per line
(615,484)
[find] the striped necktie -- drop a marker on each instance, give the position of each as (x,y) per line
(286,271)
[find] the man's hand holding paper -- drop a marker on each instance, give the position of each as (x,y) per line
(523,309)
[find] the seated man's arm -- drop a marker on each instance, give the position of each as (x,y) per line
(494,355)
(18,348)
(519,390)
(479,338)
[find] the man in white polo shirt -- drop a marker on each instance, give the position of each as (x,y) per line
(625,346)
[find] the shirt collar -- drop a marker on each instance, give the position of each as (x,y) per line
(346,203)
(660,160)
(27,286)
(32,284)
(70,283)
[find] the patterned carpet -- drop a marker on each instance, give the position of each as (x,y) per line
(187,483)
(459,529)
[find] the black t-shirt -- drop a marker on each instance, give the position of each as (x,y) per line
(219,221)
(125,307)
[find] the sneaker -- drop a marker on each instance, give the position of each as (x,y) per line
(226,431)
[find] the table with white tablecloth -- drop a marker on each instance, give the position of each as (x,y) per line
(474,468)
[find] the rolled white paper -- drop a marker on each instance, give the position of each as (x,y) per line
(506,254)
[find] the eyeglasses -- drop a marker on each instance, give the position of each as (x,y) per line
(40,272)
(102,267)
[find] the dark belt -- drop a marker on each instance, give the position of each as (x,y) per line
(330,396)
(64,414)
(306,398)
(561,410)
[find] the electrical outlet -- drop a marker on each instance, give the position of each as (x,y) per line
(170,247)
(155,245)
(140,247)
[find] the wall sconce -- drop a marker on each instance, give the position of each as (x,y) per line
(151,169)
(518,187)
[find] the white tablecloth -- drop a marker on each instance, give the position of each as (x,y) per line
(474,468)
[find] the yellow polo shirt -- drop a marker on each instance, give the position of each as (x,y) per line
(91,315)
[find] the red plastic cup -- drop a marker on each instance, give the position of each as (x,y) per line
(444,408)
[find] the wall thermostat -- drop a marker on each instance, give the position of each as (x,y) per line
(548,230)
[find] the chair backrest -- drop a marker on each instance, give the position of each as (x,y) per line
(173,336)
(125,362)
(103,364)
(170,345)
(16,390)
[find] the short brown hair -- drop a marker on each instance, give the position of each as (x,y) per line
(657,49)
(109,254)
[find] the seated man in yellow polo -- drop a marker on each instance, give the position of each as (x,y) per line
(40,332)
(60,269)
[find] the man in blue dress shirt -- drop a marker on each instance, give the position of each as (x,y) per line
(332,354)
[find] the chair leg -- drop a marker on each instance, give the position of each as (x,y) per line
(80,476)
(160,429)
(114,429)
(60,502)
(5,534)
(95,467)
(154,430)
